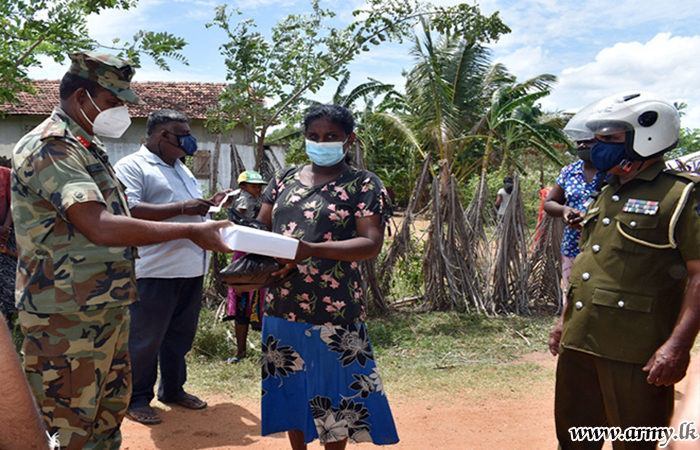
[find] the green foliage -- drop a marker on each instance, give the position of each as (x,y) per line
(689,142)
(55,28)
(407,280)
(306,50)
(214,340)
(432,354)
(530,186)
(15,331)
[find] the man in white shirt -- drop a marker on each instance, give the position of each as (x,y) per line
(169,275)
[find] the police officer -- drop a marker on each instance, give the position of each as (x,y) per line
(634,308)
(75,274)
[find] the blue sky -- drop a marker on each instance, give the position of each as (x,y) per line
(595,47)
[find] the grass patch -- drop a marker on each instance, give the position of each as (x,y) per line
(428,355)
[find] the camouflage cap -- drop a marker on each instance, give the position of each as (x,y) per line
(110,72)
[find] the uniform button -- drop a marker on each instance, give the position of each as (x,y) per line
(616,198)
(578,305)
(79,195)
(586,276)
(633,224)
(621,303)
(596,248)
(606,221)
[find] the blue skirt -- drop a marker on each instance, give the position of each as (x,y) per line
(322,380)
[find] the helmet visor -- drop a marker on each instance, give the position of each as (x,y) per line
(608,127)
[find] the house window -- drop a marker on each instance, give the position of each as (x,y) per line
(201,164)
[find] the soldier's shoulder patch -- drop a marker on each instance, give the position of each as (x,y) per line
(54,129)
(693,177)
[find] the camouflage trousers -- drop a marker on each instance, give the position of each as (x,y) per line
(77,365)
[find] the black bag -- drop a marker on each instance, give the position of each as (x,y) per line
(253,272)
(238,218)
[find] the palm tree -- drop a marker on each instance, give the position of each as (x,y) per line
(444,97)
(464,114)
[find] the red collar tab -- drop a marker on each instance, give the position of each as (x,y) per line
(83,141)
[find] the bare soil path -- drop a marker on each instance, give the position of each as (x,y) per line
(504,421)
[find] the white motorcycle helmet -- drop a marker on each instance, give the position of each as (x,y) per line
(651,123)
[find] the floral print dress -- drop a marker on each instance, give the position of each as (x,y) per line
(318,369)
(576,191)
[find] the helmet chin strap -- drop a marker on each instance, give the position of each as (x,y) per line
(626,164)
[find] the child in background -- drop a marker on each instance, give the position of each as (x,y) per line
(246,309)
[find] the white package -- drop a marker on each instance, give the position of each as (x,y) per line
(252,240)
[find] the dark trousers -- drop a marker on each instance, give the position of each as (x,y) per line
(163,326)
(598,392)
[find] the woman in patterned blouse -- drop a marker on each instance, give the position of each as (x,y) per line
(567,199)
(319,375)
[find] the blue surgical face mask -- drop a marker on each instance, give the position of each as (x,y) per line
(187,143)
(606,155)
(325,154)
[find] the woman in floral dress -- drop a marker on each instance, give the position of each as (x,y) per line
(568,199)
(319,375)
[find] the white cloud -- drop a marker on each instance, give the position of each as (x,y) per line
(595,47)
(665,65)
(525,62)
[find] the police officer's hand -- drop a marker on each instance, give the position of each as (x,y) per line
(667,365)
(572,217)
(555,336)
(197,207)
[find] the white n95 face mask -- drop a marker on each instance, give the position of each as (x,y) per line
(111,123)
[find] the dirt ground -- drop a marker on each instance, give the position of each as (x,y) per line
(508,421)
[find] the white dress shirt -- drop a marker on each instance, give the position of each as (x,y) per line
(149,179)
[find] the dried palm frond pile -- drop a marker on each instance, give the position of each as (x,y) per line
(472,262)
(510,270)
(449,269)
(544,289)
(402,242)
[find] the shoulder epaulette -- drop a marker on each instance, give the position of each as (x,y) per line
(693,177)
(54,129)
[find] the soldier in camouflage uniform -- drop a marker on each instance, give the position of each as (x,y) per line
(75,275)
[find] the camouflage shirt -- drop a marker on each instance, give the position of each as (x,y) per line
(55,166)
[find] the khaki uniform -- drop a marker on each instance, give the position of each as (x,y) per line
(72,294)
(625,293)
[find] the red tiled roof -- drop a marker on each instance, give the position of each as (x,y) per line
(194,99)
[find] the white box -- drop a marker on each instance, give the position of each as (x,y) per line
(251,240)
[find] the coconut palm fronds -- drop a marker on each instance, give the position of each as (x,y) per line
(468,281)
(450,276)
(369,272)
(237,165)
(511,271)
(402,239)
(479,214)
(544,288)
